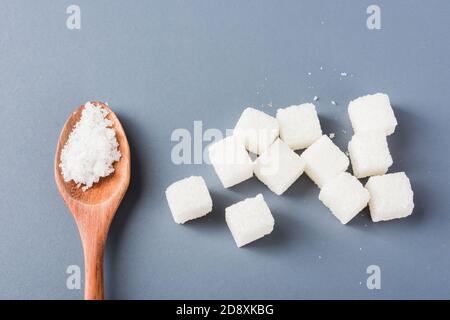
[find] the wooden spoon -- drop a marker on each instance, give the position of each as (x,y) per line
(94,208)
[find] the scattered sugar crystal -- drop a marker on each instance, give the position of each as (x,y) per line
(345,196)
(279,167)
(309,73)
(188,199)
(249,220)
(257,130)
(299,125)
(343,74)
(315,98)
(332,135)
(372,113)
(324,160)
(333,102)
(369,154)
(391,196)
(91,149)
(231,161)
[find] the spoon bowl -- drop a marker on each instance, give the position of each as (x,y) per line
(94,208)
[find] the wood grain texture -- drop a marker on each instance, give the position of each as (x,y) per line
(94,208)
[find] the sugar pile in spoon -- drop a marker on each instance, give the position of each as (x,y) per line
(91,149)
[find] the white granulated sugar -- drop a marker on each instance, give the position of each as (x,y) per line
(257,130)
(299,125)
(324,160)
(372,113)
(91,148)
(345,196)
(249,220)
(369,154)
(315,98)
(279,167)
(332,135)
(343,74)
(231,161)
(391,196)
(309,73)
(334,103)
(189,199)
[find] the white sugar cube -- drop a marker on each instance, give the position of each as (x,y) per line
(299,125)
(391,196)
(231,161)
(372,113)
(257,129)
(249,220)
(369,154)
(324,160)
(345,196)
(188,199)
(279,167)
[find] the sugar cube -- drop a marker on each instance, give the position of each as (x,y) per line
(372,113)
(345,196)
(257,129)
(279,167)
(369,154)
(188,199)
(391,196)
(249,220)
(299,125)
(231,161)
(324,160)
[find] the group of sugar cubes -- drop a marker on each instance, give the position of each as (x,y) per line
(389,195)
(298,127)
(277,165)
(248,220)
(373,119)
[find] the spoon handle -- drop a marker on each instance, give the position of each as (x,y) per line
(93,264)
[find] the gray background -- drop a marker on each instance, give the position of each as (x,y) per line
(163,64)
